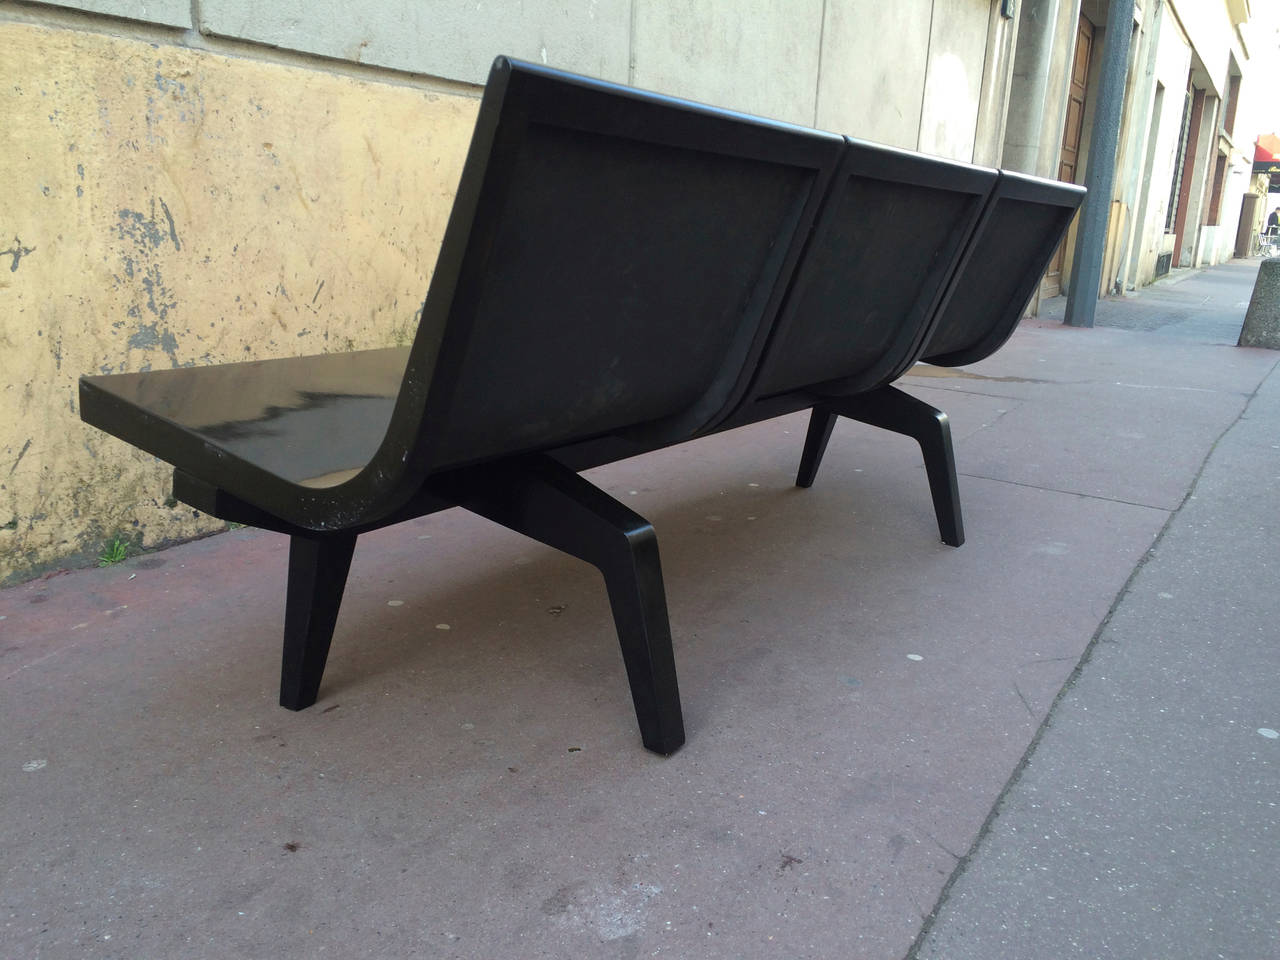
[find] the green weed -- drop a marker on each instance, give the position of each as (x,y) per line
(116,551)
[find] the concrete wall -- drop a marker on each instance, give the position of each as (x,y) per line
(165,206)
(1207,27)
(874,69)
(455,39)
(175,13)
(1133,172)
(753,55)
(195,181)
(1033,134)
(909,73)
(953,83)
(1172,64)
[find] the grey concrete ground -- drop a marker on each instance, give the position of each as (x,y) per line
(1146,821)
(1044,744)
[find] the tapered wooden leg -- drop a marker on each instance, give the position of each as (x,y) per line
(821,422)
(547,501)
(318,568)
(633,577)
(891,409)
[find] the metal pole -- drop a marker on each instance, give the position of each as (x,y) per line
(1091,235)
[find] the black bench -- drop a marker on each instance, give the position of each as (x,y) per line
(621,272)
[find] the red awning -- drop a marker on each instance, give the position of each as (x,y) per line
(1267,149)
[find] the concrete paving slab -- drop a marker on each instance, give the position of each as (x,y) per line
(1086,420)
(1146,820)
(1203,306)
(1086,440)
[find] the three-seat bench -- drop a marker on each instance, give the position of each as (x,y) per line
(621,271)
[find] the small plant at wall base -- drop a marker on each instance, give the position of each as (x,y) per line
(116,551)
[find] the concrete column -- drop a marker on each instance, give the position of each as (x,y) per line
(1031,63)
(1091,237)
(1262,319)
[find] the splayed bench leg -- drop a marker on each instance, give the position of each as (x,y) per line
(891,409)
(548,502)
(821,422)
(318,568)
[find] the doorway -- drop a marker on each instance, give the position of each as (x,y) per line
(1069,162)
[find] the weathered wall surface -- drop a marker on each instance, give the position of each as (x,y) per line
(873,70)
(174,13)
(167,207)
(957,55)
(910,73)
(1173,61)
(752,55)
(455,39)
(928,75)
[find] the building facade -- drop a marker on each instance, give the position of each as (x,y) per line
(1196,96)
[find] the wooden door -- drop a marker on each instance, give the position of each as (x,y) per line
(1074,127)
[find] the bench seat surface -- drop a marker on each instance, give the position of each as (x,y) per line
(313,421)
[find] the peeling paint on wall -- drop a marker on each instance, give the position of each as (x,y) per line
(170,207)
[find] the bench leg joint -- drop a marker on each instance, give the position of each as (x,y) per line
(545,500)
(891,409)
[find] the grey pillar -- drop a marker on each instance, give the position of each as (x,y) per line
(1091,235)
(1031,62)
(1262,320)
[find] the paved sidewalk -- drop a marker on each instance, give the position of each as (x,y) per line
(1146,819)
(1204,306)
(1044,744)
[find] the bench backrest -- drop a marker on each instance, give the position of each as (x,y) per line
(1025,220)
(613,259)
(891,235)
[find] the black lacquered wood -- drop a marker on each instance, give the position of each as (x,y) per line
(295,426)
(1024,221)
(318,567)
(542,499)
(891,409)
(822,422)
(882,255)
(974,304)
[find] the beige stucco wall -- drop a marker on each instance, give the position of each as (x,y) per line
(1209,31)
(953,86)
(758,56)
(165,206)
(873,70)
(1173,61)
(928,75)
